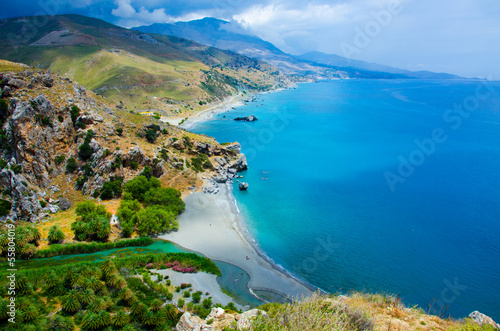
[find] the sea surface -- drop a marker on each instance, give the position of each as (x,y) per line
(379,185)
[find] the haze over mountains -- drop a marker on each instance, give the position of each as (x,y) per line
(231,36)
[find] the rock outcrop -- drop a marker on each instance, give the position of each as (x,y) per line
(483,320)
(250,118)
(243,186)
(218,319)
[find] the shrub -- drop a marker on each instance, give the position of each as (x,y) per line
(134,165)
(196,297)
(186,294)
(3,163)
(169,198)
(85,151)
(119,131)
(112,188)
(5,207)
(60,118)
(55,234)
(71,165)
(180,303)
(93,222)
(75,113)
(59,159)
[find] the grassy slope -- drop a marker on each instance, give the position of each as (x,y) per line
(116,63)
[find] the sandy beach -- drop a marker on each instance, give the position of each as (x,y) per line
(226,105)
(211,225)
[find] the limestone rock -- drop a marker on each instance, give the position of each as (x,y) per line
(64,204)
(245,319)
(482,319)
(243,186)
(16,83)
(240,164)
(192,323)
(6,92)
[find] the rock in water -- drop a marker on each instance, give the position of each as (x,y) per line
(243,186)
(250,118)
(483,320)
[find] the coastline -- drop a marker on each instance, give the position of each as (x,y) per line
(211,225)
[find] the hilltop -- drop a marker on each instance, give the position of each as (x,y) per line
(135,70)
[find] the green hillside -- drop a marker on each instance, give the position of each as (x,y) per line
(143,71)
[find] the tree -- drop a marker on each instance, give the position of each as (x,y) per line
(70,303)
(55,234)
(120,319)
(71,165)
(93,222)
(60,323)
(154,220)
(169,197)
(138,186)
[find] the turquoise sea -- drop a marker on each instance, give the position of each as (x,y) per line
(379,185)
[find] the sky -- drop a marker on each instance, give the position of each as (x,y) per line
(455,36)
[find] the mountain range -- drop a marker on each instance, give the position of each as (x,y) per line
(231,36)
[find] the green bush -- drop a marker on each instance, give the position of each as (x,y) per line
(60,118)
(180,303)
(93,222)
(169,198)
(155,219)
(71,165)
(85,151)
(59,159)
(83,248)
(5,207)
(196,297)
(55,234)
(112,188)
(75,113)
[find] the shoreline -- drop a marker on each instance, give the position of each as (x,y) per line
(211,225)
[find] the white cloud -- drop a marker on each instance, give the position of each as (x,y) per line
(124,10)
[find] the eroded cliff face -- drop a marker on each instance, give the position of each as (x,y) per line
(60,142)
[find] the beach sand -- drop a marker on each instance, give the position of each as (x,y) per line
(211,225)
(226,105)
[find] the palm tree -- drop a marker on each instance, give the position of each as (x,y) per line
(70,302)
(86,296)
(126,294)
(120,319)
(103,319)
(149,318)
(89,321)
(95,284)
(156,304)
(71,278)
(51,279)
(138,309)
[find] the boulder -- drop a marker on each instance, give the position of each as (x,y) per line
(48,81)
(243,186)
(16,83)
(64,204)
(483,320)
(6,92)
(250,118)
(192,323)
(245,319)
(240,164)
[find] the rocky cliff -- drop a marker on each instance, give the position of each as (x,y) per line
(60,143)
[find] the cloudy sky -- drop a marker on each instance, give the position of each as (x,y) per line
(455,36)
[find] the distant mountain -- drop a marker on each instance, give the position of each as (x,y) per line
(231,36)
(144,72)
(342,62)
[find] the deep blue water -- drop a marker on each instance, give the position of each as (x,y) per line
(320,203)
